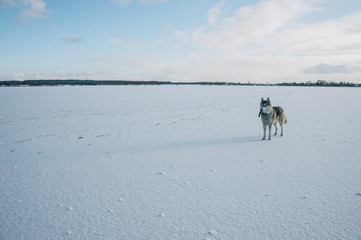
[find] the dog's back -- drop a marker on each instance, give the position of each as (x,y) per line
(278,111)
(280,114)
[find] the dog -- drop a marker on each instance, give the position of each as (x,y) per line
(270,115)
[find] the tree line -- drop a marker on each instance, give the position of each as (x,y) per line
(76,82)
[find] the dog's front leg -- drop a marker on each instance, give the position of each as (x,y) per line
(264,131)
(269,131)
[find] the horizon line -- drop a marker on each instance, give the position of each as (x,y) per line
(89,82)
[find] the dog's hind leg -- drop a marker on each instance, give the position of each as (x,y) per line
(276,128)
(281,123)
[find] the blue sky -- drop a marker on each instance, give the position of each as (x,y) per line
(174,40)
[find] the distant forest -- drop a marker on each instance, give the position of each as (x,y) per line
(75,82)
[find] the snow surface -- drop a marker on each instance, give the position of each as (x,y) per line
(178,162)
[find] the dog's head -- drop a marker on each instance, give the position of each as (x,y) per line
(265,105)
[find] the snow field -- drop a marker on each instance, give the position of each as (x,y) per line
(178,162)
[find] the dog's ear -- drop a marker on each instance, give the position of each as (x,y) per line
(268,100)
(262,99)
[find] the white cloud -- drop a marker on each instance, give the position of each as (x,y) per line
(12,76)
(267,42)
(332,37)
(41,76)
(250,24)
(329,68)
(7,3)
(183,35)
(271,40)
(37,10)
(33,8)
(213,13)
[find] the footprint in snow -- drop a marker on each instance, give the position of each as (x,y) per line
(213,233)
(161,173)
(24,140)
(358,194)
(103,135)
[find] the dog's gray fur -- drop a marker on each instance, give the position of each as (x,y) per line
(270,115)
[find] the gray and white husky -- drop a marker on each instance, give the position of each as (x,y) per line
(270,115)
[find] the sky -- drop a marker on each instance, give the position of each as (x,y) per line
(259,41)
